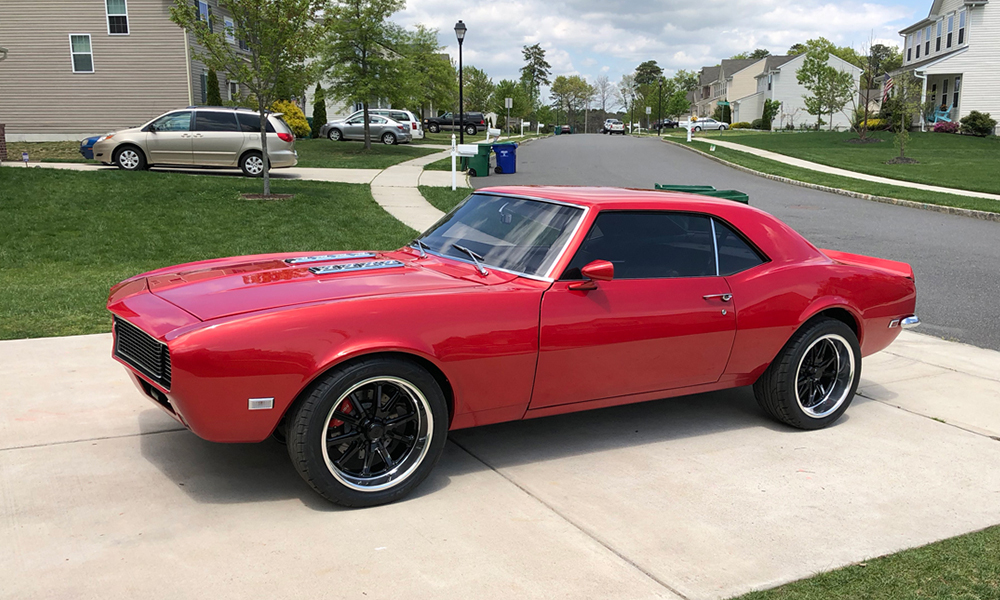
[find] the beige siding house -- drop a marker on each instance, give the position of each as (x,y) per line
(713,84)
(95,66)
(955,50)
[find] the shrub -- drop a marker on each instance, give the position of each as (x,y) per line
(789,126)
(212,94)
(319,109)
(771,108)
(876,124)
(977,123)
(946,127)
(740,125)
(294,116)
(757,124)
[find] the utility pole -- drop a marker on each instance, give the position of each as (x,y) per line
(659,109)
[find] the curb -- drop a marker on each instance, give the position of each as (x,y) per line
(982,215)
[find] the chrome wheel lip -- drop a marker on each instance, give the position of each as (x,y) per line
(254,165)
(425,423)
(128,158)
(843,383)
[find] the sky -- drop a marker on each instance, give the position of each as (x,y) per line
(609,37)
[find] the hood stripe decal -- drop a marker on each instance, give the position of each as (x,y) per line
(361,266)
(325,257)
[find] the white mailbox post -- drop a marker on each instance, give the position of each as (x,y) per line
(458,150)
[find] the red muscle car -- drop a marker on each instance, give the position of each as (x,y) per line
(522,302)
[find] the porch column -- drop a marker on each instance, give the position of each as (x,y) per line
(923,101)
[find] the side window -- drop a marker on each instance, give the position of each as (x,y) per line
(250,123)
(211,120)
(178,121)
(648,245)
(735,254)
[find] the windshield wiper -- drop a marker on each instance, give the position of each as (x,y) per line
(475,258)
(421,247)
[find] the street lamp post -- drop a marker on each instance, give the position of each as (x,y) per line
(460,34)
(631,114)
(659,109)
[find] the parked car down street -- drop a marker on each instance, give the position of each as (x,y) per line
(613,126)
(474,122)
(200,137)
(381,129)
(705,124)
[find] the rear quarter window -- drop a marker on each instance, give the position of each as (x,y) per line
(250,123)
(735,253)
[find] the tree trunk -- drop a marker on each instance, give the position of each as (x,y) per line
(263,144)
(368,129)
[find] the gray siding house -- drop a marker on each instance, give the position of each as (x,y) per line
(96,66)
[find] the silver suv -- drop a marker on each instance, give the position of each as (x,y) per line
(202,137)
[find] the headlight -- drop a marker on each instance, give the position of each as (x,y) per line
(105,137)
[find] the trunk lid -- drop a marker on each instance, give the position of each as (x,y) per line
(892,266)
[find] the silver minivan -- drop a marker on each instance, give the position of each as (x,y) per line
(201,137)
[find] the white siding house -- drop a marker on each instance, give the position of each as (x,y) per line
(956,50)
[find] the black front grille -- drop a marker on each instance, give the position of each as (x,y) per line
(143,352)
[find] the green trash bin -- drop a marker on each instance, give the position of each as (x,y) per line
(692,189)
(729,195)
(705,190)
(479,165)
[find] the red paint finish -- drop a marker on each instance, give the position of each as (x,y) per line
(506,347)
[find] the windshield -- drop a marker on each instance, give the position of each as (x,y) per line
(514,234)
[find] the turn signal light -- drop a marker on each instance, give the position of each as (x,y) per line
(285,137)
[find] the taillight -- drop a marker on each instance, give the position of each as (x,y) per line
(481,122)
(401,127)
(285,137)
(413,124)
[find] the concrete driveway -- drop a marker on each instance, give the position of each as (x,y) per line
(103,496)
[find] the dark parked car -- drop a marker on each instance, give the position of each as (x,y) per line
(87,147)
(666,124)
(473,122)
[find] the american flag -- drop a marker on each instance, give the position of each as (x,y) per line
(888,87)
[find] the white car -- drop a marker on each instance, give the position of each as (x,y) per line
(614,126)
(396,114)
(705,124)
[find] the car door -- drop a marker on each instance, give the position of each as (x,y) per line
(665,320)
(354,128)
(217,139)
(169,139)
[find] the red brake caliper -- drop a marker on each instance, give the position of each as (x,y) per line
(345,407)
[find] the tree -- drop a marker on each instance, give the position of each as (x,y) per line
(430,78)
(648,73)
(686,80)
(677,104)
(829,87)
(508,88)
(478,89)
(213,97)
(768,113)
(279,36)
(319,109)
(362,53)
(757,54)
(907,91)
(535,72)
(628,92)
(880,60)
(604,94)
(571,94)
(797,49)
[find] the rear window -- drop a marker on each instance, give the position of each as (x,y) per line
(213,120)
(250,123)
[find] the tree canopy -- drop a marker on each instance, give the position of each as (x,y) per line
(535,72)
(648,73)
(478,89)
(830,88)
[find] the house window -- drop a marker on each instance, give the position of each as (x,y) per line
(234,90)
(204,87)
(117,12)
(937,44)
(769,80)
(927,40)
(230,31)
(909,48)
(951,25)
(83,57)
(958,86)
(204,13)
(920,42)
(961,27)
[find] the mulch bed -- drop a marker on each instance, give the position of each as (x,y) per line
(263,197)
(902,161)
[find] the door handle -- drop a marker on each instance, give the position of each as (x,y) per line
(723,297)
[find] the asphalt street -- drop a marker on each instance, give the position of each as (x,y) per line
(956,259)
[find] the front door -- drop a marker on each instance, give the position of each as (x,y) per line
(354,128)
(169,140)
(217,138)
(665,321)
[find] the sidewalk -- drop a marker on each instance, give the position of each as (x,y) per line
(98,487)
(805,164)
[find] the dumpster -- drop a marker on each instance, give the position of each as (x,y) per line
(705,190)
(506,157)
(479,165)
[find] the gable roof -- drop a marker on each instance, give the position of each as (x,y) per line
(708,75)
(732,65)
(775,62)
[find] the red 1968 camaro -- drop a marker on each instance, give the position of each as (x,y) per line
(522,302)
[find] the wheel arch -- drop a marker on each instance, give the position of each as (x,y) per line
(123,146)
(244,154)
(834,308)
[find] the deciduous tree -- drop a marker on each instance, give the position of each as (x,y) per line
(830,88)
(478,89)
(430,78)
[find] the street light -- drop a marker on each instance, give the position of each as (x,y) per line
(631,114)
(659,109)
(460,34)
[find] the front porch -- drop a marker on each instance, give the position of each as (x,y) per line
(941,97)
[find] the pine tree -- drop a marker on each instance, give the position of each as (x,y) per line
(319,109)
(214,98)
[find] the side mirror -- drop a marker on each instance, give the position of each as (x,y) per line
(598,270)
(151,128)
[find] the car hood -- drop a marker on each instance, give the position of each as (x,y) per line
(227,287)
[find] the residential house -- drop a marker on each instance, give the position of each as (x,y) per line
(712,84)
(955,51)
(748,103)
(99,65)
(778,81)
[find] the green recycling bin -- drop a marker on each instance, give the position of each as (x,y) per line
(692,189)
(705,190)
(479,165)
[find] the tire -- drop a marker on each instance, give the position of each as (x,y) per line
(433,128)
(252,164)
(697,128)
(723,128)
(471,129)
(388,139)
(797,391)
(130,158)
(498,170)
(374,462)
(472,172)
(335,135)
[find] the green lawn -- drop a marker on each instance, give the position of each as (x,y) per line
(323,153)
(66,237)
(46,151)
(962,568)
(845,183)
(443,198)
(444,165)
(949,160)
